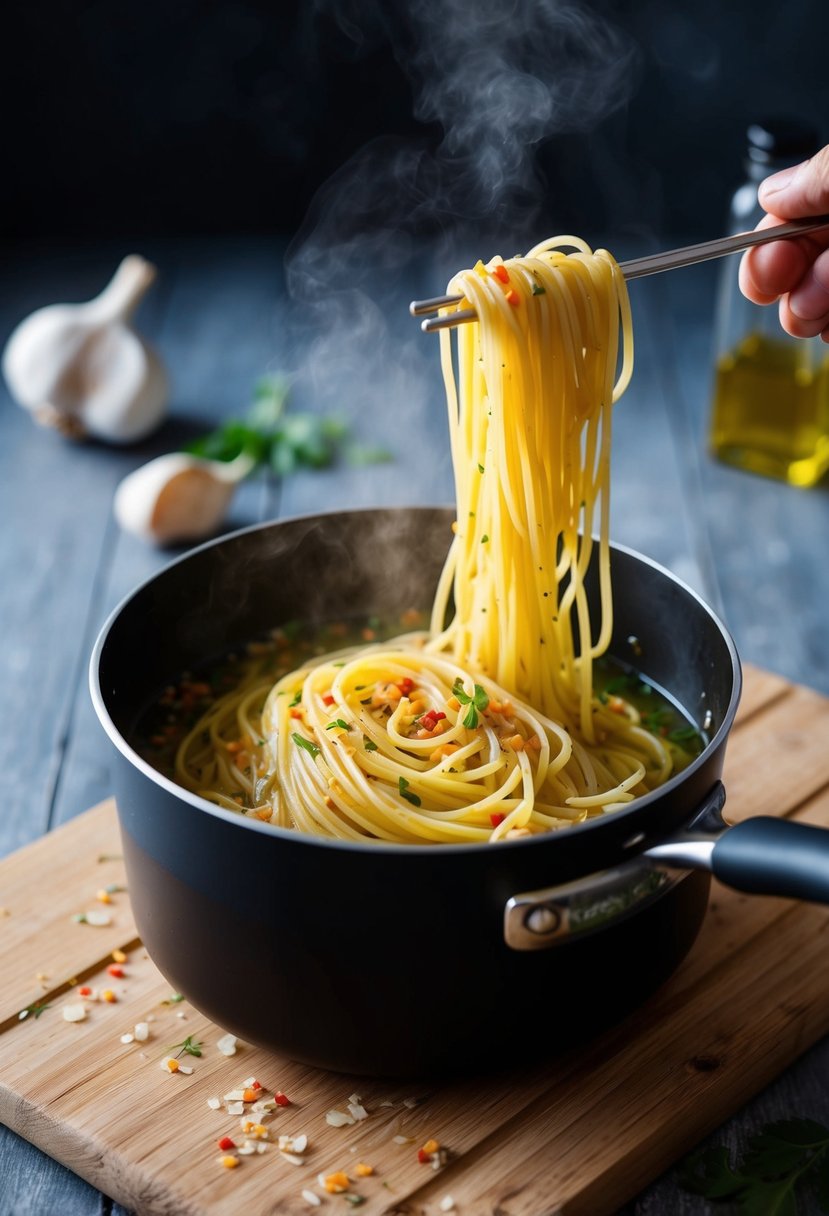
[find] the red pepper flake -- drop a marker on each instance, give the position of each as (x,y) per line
(430,719)
(280,1099)
(512,297)
(405,685)
(501,273)
(328,699)
(115,971)
(85,991)
(225,1144)
(496,818)
(423,1157)
(296,713)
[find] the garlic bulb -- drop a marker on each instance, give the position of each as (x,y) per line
(83,369)
(177,497)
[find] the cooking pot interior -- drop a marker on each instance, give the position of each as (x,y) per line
(382,562)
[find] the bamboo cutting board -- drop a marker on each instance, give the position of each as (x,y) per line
(576,1137)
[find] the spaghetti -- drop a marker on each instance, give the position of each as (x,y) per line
(486,727)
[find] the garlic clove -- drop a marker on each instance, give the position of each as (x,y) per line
(177,497)
(82,367)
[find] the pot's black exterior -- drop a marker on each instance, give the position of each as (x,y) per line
(370,958)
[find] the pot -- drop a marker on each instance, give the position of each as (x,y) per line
(403,960)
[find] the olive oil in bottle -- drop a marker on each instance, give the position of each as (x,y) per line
(770,410)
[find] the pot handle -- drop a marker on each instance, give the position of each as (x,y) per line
(762,856)
(766,856)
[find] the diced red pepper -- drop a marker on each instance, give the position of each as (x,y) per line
(115,971)
(431,718)
(496,818)
(513,297)
(501,273)
(226,1143)
(85,991)
(405,685)
(328,699)
(280,1099)
(255,1085)
(423,1157)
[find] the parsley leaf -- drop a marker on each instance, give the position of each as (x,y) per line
(36,1009)
(778,1160)
(338,722)
(306,744)
(271,437)
(403,787)
(369,745)
(477,703)
(190,1047)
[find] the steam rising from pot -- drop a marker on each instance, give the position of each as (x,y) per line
(494,80)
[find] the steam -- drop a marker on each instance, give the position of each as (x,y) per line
(495,79)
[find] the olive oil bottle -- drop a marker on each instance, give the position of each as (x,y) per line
(770,410)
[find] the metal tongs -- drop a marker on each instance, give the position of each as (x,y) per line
(671,259)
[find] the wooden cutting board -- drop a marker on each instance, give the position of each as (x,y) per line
(577,1137)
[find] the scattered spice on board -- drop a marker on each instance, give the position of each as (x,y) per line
(94,917)
(35,1009)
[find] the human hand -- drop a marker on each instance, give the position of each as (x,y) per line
(794,272)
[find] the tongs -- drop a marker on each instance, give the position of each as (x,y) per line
(671,259)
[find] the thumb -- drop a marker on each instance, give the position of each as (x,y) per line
(802,190)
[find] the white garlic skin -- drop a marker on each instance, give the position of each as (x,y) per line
(175,498)
(84,369)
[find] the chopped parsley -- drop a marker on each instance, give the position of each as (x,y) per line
(405,792)
(477,703)
(306,744)
(190,1047)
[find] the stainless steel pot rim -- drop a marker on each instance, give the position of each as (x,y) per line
(542,841)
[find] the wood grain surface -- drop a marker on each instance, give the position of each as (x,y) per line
(577,1136)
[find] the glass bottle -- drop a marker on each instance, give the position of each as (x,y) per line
(770,410)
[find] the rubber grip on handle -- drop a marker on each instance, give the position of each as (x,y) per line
(766,856)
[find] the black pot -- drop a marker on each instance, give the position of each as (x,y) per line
(403,960)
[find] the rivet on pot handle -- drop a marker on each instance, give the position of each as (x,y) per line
(761,855)
(537,920)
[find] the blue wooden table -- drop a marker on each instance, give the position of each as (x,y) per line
(220,317)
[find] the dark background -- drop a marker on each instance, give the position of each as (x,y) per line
(187,117)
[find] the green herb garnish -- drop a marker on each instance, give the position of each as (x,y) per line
(305,744)
(403,787)
(190,1047)
(338,722)
(685,734)
(174,999)
(654,722)
(539,290)
(35,1009)
(484,539)
(369,745)
(297,698)
(480,468)
(780,1160)
(477,703)
(267,436)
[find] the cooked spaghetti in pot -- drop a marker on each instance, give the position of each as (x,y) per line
(486,727)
